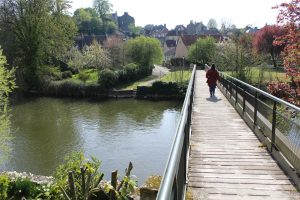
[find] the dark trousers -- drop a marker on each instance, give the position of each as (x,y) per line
(212,90)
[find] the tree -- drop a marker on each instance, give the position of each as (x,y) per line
(212,24)
(145,52)
(33,34)
(236,55)
(96,57)
(103,8)
(88,21)
(6,86)
(202,51)
(135,30)
(114,45)
(263,42)
(289,17)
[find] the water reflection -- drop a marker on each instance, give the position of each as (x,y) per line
(115,131)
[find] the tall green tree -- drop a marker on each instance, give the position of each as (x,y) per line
(144,51)
(6,86)
(103,8)
(88,21)
(34,31)
(202,51)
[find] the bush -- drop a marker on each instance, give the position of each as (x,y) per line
(4,183)
(132,71)
(164,89)
(93,187)
(83,76)
(108,78)
(67,74)
(23,188)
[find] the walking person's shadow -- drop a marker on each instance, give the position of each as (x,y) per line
(213,99)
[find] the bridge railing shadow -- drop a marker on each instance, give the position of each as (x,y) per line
(275,121)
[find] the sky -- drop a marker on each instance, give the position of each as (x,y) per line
(175,12)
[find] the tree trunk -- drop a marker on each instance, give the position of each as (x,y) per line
(273,59)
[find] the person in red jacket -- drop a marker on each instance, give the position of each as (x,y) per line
(212,76)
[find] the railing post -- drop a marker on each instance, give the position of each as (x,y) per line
(244,100)
(273,126)
(236,94)
(255,109)
(230,88)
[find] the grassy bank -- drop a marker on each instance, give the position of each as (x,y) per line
(262,76)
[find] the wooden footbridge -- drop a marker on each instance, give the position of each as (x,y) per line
(242,144)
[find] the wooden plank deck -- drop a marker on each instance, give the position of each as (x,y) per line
(227,160)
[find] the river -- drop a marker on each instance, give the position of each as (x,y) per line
(44,130)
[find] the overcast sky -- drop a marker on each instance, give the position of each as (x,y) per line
(174,12)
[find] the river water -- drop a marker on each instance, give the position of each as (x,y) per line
(114,131)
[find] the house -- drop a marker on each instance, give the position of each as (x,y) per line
(169,49)
(155,31)
(124,22)
(196,28)
(183,43)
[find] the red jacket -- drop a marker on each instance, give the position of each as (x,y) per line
(212,77)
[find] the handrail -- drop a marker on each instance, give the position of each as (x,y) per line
(260,91)
(173,183)
(277,126)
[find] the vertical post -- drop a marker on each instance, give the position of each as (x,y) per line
(230,88)
(273,125)
(255,109)
(236,93)
(72,185)
(244,100)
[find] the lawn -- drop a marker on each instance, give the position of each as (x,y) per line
(257,75)
(177,76)
(147,81)
(92,75)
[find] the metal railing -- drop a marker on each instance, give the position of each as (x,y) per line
(173,184)
(276,119)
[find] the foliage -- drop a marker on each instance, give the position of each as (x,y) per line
(289,18)
(212,24)
(75,58)
(114,45)
(263,41)
(80,178)
(108,78)
(153,182)
(7,84)
(95,56)
(135,30)
(103,8)
(236,55)
(83,76)
(202,51)
(34,32)
(23,188)
(4,183)
(88,21)
(163,88)
(145,52)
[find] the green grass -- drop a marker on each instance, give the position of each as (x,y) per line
(147,81)
(93,76)
(258,75)
(177,76)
